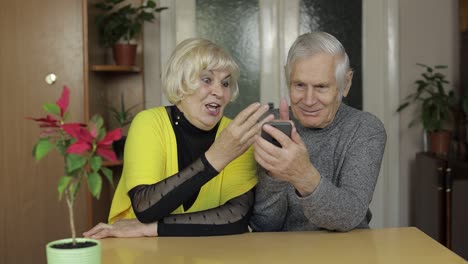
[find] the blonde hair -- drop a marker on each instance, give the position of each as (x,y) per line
(192,56)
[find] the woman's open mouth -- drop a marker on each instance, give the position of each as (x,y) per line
(213,108)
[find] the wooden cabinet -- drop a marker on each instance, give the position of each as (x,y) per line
(439,200)
(106,83)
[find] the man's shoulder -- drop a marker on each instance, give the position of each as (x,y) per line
(364,119)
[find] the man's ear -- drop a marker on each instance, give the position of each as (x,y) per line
(349,81)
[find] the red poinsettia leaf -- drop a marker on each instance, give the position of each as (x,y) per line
(47,119)
(107,153)
(64,100)
(43,125)
(85,135)
(113,135)
(73,129)
(78,148)
(47,132)
(77,124)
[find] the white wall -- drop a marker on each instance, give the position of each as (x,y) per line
(428,34)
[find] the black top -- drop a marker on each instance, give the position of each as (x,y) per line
(155,202)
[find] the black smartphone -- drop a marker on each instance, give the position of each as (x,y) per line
(285,127)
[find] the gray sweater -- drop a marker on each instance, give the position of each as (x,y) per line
(347,154)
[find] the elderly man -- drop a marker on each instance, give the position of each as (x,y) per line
(324,176)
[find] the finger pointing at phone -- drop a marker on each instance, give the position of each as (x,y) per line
(284,109)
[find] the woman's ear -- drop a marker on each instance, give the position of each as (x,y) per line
(349,81)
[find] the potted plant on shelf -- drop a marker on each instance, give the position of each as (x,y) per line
(119,25)
(437,105)
(123,117)
(83,148)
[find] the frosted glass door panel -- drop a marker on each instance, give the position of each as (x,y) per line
(234,25)
(343,19)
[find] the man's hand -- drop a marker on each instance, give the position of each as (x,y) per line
(123,228)
(289,163)
(284,109)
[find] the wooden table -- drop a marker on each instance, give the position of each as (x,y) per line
(389,245)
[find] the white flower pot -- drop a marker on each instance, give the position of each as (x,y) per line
(87,255)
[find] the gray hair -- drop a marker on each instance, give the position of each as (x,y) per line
(310,44)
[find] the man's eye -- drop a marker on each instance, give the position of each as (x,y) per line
(300,85)
(322,88)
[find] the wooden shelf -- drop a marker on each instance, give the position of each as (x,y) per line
(112,164)
(115,68)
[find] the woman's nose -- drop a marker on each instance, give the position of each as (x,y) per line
(217,89)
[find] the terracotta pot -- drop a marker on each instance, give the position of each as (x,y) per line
(440,142)
(124,54)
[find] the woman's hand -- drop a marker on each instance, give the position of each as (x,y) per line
(238,136)
(123,228)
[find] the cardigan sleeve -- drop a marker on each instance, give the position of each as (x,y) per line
(153,202)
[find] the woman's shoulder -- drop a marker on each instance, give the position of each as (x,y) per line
(155,113)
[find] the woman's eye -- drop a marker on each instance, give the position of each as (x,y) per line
(225,84)
(206,80)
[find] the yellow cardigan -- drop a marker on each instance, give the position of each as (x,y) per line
(151,156)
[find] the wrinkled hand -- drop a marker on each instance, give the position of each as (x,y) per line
(291,162)
(238,136)
(123,228)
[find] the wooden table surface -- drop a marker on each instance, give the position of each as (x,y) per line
(388,245)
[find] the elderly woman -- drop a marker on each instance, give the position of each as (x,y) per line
(188,170)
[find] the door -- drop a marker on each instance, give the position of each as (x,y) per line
(37,38)
(258,34)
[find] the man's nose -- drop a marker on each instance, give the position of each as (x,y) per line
(310,98)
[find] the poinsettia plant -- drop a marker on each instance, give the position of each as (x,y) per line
(82,146)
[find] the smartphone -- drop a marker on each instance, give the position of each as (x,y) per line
(285,127)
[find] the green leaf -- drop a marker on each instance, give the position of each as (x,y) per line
(63,184)
(402,106)
(151,4)
(95,163)
(159,9)
(422,65)
(42,147)
(94,184)
(98,121)
(75,162)
(52,108)
(108,173)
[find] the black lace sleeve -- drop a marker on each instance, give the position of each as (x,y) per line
(153,202)
(230,218)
